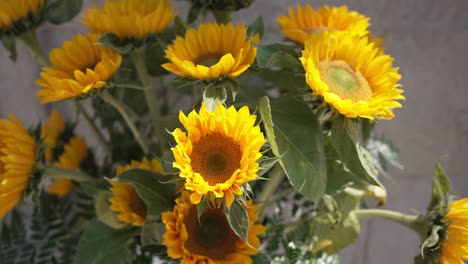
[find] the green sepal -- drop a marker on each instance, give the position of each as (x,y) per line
(440,187)
(62,11)
(265,164)
(213,95)
(9,42)
(277,55)
(257,27)
(113,42)
(202,206)
(238,220)
(101,244)
(295,135)
(344,139)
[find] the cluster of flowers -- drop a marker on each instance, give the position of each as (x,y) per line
(219,151)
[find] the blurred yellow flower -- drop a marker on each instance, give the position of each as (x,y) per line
(125,201)
(73,154)
(219,151)
(351,74)
(455,246)
(81,66)
(130,18)
(213,51)
(11,11)
(208,239)
(50,132)
(17,162)
(307,21)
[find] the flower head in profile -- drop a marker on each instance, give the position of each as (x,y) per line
(125,201)
(208,239)
(14,12)
(130,18)
(213,51)
(17,162)
(352,75)
(219,151)
(74,152)
(454,248)
(80,67)
(307,21)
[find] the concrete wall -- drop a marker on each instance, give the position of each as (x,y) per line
(427,38)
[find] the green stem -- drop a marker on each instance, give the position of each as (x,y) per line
(277,176)
(108,98)
(128,86)
(92,126)
(416,223)
(151,100)
(223,17)
(30,40)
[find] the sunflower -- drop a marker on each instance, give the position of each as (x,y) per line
(208,239)
(125,201)
(73,154)
(79,67)
(351,74)
(307,21)
(130,18)
(13,11)
(219,152)
(212,52)
(17,162)
(454,248)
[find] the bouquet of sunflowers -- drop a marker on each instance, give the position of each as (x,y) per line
(212,146)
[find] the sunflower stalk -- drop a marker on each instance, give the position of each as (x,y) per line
(120,107)
(93,127)
(277,176)
(151,100)
(29,39)
(417,223)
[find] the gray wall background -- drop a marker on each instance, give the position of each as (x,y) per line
(427,38)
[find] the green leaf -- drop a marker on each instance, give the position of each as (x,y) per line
(202,206)
(333,236)
(265,164)
(344,139)
(284,79)
(238,220)
(154,58)
(277,55)
(440,186)
(63,11)
(113,42)
(260,259)
(150,186)
(152,231)
(9,43)
(101,244)
(294,133)
(257,27)
(213,96)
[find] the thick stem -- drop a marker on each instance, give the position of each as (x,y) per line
(223,17)
(30,40)
(92,126)
(151,100)
(416,223)
(108,98)
(277,176)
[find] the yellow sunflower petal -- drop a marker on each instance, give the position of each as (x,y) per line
(12,11)
(219,152)
(307,21)
(208,239)
(79,67)
(17,162)
(454,249)
(130,18)
(351,74)
(211,52)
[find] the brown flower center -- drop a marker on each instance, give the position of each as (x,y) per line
(208,60)
(211,236)
(135,203)
(343,80)
(216,157)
